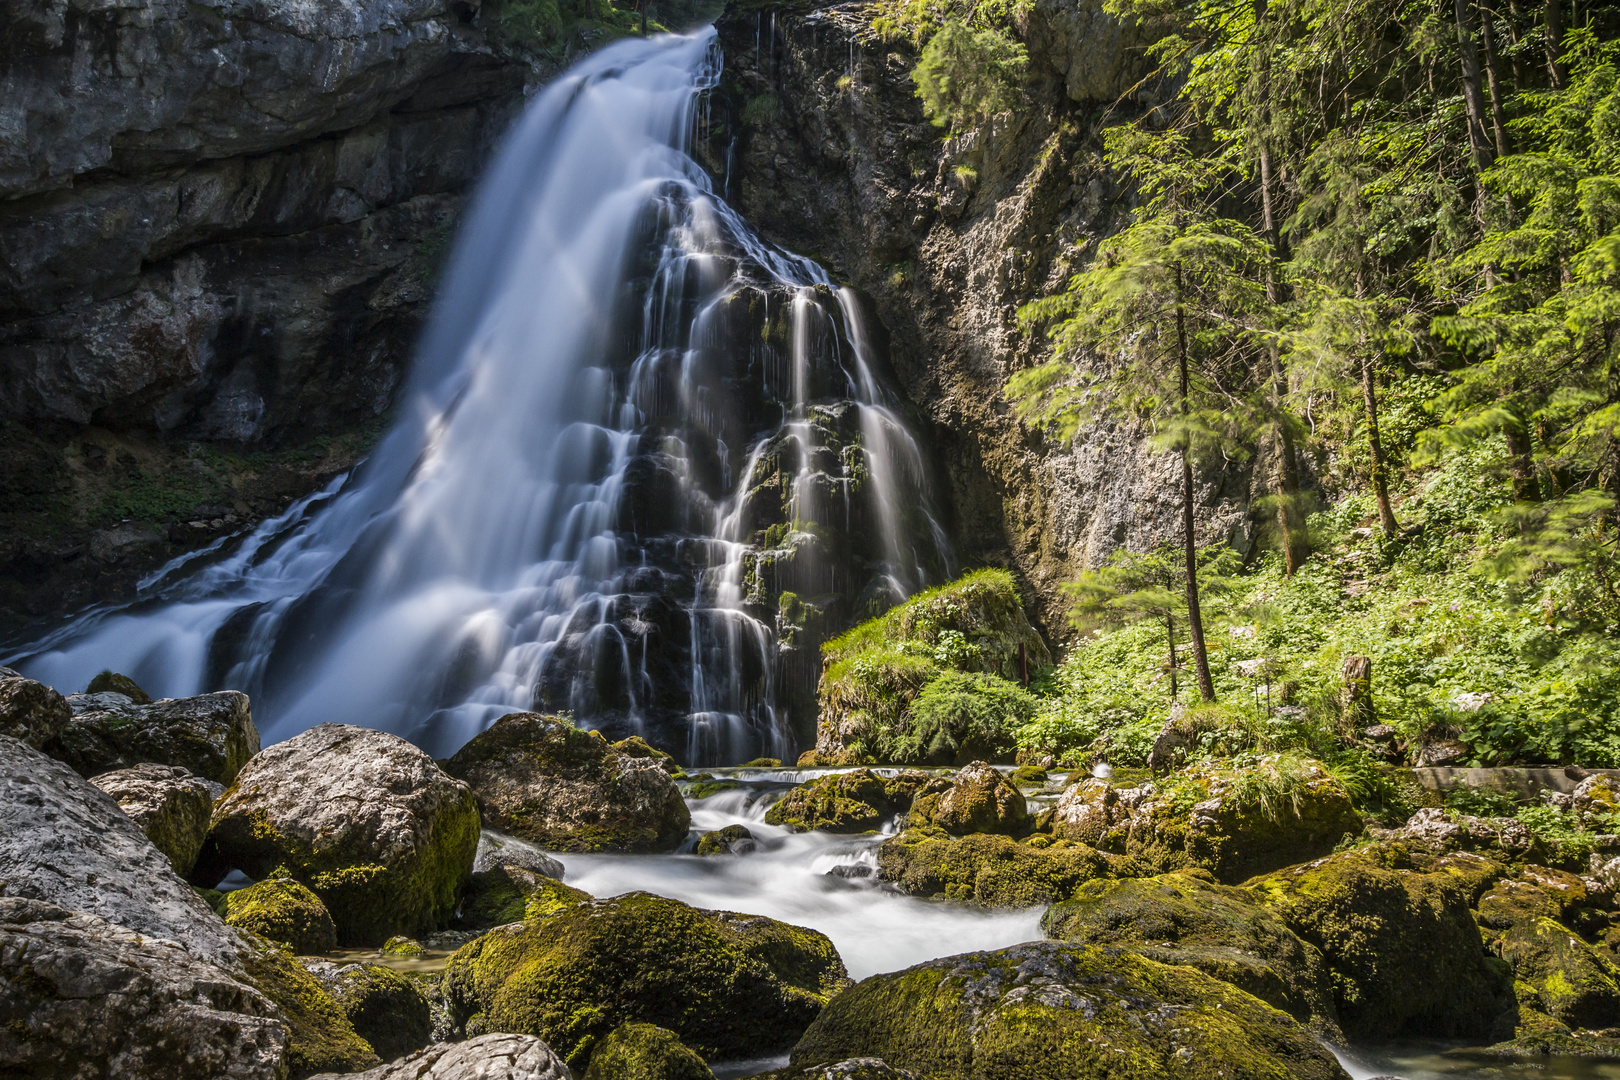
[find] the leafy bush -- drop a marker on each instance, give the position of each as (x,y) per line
(966,75)
(961,717)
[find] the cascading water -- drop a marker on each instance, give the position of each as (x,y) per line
(639,445)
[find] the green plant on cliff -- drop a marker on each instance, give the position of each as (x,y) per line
(970,67)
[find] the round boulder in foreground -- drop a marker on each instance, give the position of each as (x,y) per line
(362,818)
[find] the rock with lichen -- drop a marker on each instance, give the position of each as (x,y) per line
(498,1056)
(212,735)
(987,869)
(386,1008)
(645,1052)
(170,805)
(979,800)
(281,910)
(30,711)
(849,802)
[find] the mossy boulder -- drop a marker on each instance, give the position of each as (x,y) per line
(864,1068)
(170,805)
(211,735)
(728,985)
(320,1037)
(546,781)
(851,802)
(112,681)
(508,894)
(387,1009)
(1063,1012)
(988,869)
(1403,953)
(363,819)
(645,1052)
(281,910)
(731,840)
(637,747)
(1557,973)
(871,675)
(979,800)
(1223,931)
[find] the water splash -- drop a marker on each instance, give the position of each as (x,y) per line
(631,426)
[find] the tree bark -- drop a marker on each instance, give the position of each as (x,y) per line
(1375,445)
(1195,617)
(1498,124)
(1170,634)
(1357,676)
(1473,97)
(1553,14)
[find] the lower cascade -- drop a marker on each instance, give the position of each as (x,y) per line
(644,462)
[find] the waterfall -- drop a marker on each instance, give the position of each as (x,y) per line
(632,426)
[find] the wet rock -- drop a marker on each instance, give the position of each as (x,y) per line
(387,1009)
(283,911)
(545,781)
(507,894)
(728,985)
(363,819)
(731,840)
(979,800)
(64,841)
(497,849)
(853,871)
(645,1052)
(987,869)
(1061,1011)
(212,735)
(31,711)
(487,1057)
(169,804)
(852,802)
(1404,954)
(1225,932)
(84,997)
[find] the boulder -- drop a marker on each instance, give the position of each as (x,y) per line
(728,985)
(507,894)
(281,910)
(30,711)
(1062,1012)
(987,869)
(1556,973)
(81,997)
(118,684)
(645,1052)
(387,1009)
(979,800)
(212,735)
(488,1057)
(866,1068)
(363,819)
(169,804)
(637,747)
(1223,931)
(543,780)
(731,840)
(1404,955)
(64,841)
(851,802)
(319,1035)
(1442,830)
(498,849)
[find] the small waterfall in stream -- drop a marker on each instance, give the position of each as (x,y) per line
(644,460)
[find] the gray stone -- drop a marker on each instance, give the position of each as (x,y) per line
(212,735)
(169,804)
(498,849)
(488,1057)
(82,998)
(31,711)
(66,842)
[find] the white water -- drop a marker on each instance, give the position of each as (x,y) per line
(481,560)
(874,928)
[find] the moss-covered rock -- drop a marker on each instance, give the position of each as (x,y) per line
(1557,973)
(387,1009)
(170,805)
(362,818)
(645,1052)
(1063,1012)
(545,781)
(637,747)
(1403,953)
(320,1037)
(728,985)
(118,684)
(987,869)
(1223,931)
(30,711)
(979,800)
(731,840)
(864,1068)
(281,910)
(211,735)
(852,802)
(400,945)
(1029,775)
(871,675)
(508,894)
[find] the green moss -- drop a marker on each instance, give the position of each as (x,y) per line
(400,945)
(118,684)
(386,1008)
(1063,1012)
(852,802)
(320,1036)
(573,977)
(551,896)
(645,1052)
(989,870)
(283,911)
(719,841)
(1557,973)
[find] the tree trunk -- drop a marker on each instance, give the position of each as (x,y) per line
(1473,97)
(1521,469)
(1498,125)
(1357,676)
(1554,15)
(1195,617)
(1375,445)
(1170,634)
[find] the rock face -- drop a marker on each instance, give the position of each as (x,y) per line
(212,735)
(169,804)
(31,711)
(645,1052)
(545,781)
(362,818)
(282,911)
(82,998)
(1063,1012)
(852,802)
(488,1057)
(980,799)
(728,985)
(65,842)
